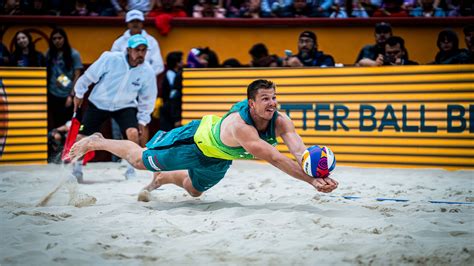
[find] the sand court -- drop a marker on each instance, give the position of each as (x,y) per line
(256,215)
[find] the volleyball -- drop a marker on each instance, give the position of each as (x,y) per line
(318,161)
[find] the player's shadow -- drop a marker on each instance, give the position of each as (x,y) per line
(202,206)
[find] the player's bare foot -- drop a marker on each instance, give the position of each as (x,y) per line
(145,194)
(83,146)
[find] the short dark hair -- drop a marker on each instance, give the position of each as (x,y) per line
(253,88)
(173,59)
(383,27)
(259,50)
(394,40)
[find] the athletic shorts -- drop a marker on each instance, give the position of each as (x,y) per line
(95,117)
(176,150)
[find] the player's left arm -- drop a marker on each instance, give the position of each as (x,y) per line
(286,130)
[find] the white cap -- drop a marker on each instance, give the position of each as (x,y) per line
(134,14)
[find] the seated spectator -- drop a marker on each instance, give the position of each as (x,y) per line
(372,55)
(449,52)
(231,62)
(233,7)
(163,12)
(276,8)
(170,113)
(395,53)
(58,7)
(198,58)
(454,8)
(339,9)
(308,54)
(202,58)
(301,9)
(34,7)
(261,58)
(123,6)
(100,8)
(250,9)
(369,6)
(4,55)
(322,8)
(24,53)
(80,9)
(11,7)
(391,8)
(427,8)
(469,39)
(208,9)
(64,67)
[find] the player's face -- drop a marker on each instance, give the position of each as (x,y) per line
(136,55)
(265,103)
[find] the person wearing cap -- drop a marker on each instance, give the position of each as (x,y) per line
(125,89)
(134,20)
(372,54)
(308,54)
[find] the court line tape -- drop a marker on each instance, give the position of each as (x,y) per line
(404,200)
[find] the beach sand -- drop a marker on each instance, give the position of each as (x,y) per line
(256,215)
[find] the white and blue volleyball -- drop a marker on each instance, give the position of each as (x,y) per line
(318,161)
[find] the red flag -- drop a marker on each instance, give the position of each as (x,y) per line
(71,139)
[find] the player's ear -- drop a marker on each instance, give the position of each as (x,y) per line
(251,103)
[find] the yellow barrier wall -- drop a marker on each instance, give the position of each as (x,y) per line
(413,116)
(23,116)
(342,39)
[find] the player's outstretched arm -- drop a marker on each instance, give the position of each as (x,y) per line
(248,138)
(286,130)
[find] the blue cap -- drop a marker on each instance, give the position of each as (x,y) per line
(136,40)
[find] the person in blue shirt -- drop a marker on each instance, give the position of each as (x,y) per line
(125,89)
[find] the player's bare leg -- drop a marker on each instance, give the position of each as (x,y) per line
(180,178)
(124,149)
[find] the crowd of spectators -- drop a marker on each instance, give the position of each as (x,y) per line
(242,8)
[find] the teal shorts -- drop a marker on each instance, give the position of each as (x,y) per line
(176,150)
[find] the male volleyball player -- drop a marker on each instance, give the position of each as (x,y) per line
(197,156)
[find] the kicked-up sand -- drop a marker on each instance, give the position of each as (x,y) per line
(256,215)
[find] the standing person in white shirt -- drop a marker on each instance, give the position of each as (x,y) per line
(125,90)
(134,20)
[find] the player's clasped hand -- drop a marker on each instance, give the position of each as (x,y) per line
(325,184)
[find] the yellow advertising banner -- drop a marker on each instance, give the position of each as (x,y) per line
(407,116)
(23,116)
